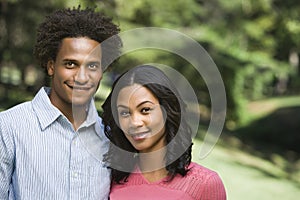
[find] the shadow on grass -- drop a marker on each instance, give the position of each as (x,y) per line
(275,138)
(279,131)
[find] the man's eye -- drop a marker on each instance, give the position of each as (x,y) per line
(93,66)
(70,64)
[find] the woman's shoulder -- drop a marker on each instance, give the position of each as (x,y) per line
(196,177)
(200,172)
(203,181)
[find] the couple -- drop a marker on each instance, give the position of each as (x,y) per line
(42,156)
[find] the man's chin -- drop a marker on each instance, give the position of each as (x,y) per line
(80,102)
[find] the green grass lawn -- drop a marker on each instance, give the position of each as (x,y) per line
(247,177)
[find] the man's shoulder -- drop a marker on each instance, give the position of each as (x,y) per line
(16,116)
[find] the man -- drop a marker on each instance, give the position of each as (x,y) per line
(52,146)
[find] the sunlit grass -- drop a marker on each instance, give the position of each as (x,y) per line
(262,108)
(247,177)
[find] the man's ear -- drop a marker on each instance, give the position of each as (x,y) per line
(50,67)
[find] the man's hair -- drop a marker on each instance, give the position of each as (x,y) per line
(73,23)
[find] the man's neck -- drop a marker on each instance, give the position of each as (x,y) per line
(77,116)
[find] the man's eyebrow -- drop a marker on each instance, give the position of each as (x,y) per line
(94,62)
(69,60)
(76,61)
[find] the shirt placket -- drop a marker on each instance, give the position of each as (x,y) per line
(78,178)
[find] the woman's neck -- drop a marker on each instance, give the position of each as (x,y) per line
(153,165)
(156,175)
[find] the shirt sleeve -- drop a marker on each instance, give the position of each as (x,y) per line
(214,189)
(6,160)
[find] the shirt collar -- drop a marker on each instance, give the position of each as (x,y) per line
(92,118)
(44,109)
(91,115)
(47,113)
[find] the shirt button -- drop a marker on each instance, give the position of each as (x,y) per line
(75,174)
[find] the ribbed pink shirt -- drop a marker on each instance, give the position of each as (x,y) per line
(199,183)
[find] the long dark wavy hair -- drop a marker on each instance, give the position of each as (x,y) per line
(162,88)
(72,23)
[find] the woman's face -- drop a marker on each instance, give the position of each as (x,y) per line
(141,118)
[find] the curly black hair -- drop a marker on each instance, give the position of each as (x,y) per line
(72,23)
(178,132)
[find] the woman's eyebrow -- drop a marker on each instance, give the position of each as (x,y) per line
(121,106)
(143,102)
(140,104)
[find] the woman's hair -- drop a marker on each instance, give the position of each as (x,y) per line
(72,23)
(173,108)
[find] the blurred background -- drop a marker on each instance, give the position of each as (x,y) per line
(255,45)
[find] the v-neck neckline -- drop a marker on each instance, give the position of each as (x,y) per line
(139,172)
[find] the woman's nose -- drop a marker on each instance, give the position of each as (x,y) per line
(136,120)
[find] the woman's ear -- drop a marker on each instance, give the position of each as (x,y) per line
(50,67)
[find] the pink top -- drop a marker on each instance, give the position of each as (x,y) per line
(199,183)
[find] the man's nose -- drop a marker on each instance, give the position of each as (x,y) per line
(81,76)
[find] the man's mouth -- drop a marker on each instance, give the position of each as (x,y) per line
(79,88)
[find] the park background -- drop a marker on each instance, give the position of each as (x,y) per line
(255,45)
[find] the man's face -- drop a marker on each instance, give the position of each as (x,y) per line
(76,72)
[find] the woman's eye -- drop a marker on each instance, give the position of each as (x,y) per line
(124,113)
(146,110)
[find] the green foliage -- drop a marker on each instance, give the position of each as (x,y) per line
(251,41)
(19,20)
(241,36)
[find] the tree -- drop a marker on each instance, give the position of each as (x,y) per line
(19,20)
(244,38)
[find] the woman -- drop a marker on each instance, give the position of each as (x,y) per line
(150,153)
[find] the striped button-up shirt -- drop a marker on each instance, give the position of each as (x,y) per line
(43,157)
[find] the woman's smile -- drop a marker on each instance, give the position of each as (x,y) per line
(140,136)
(140,118)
